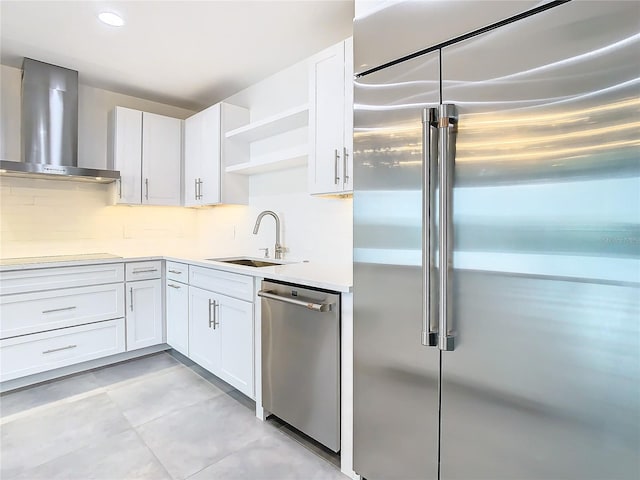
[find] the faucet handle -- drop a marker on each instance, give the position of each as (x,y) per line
(266,252)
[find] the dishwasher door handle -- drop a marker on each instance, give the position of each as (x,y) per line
(316,307)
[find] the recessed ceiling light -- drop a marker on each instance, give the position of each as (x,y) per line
(111,18)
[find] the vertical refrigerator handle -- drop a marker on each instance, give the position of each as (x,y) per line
(429,238)
(447,129)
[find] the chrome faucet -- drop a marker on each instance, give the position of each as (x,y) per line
(278,247)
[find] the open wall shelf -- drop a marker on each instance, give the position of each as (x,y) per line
(280,160)
(279,123)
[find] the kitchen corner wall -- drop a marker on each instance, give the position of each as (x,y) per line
(50,217)
(313,228)
(55,217)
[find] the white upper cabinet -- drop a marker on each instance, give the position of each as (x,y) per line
(161,159)
(201,158)
(208,153)
(331,120)
(147,150)
(126,154)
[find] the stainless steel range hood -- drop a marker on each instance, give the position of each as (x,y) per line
(50,127)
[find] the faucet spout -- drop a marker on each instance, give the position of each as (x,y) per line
(278,247)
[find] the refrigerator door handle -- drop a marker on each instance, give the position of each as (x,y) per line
(447,130)
(429,237)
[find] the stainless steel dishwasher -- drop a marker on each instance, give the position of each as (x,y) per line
(301,358)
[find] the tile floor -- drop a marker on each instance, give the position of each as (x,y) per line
(151,418)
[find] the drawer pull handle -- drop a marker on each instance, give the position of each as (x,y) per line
(59,309)
(175,271)
(146,270)
(174,286)
(68,347)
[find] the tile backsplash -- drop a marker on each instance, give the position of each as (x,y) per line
(50,217)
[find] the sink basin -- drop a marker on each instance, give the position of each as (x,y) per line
(248,261)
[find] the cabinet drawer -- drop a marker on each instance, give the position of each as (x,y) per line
(143,270)
(21,281)
(39,352)
(178,272)
(26,313)
(231,284)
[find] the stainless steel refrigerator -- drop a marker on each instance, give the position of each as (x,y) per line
(497,243)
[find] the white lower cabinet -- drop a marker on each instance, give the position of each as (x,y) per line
(221,337)
(144,313)
(34,312)
(39,352)
(234,322)
(204,340)
(60,316)
(177,301)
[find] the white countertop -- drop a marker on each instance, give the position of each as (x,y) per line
(58,258)
(315,274)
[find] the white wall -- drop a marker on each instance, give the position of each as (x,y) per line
(313,228)
(10,79)
(49,217)
(55,217)
(94,105)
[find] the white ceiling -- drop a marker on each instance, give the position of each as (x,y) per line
(189,54)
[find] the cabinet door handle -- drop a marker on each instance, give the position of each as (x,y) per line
(146,188)
(68,347)
(195,182)
(174,286)
(198,188)
(131,298)
(215,315)
(212,322)
(336,179)
(58,309)
(120,188)
(345,171)
(175,271)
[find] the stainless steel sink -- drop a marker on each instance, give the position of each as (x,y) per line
(248,261)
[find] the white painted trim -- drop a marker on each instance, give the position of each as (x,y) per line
(346,387)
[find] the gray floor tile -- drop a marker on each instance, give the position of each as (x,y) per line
(134,369)
(36,396)
(272,457)
(154,396)
(75,429)
(122,456)
(188,440)
(60,429)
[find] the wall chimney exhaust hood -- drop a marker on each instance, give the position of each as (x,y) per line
(50,127)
